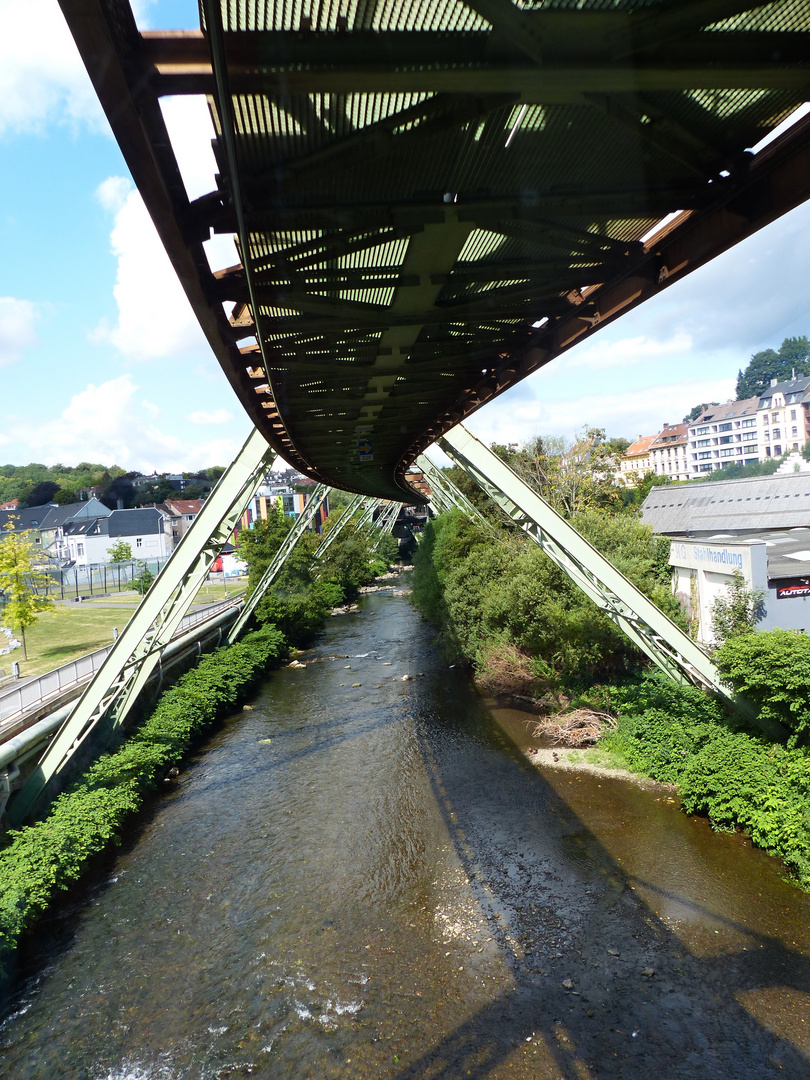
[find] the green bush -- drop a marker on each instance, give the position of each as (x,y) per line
(49,856)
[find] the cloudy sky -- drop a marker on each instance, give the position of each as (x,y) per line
(102,360)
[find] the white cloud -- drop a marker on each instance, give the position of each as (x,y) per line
(155,319)
(521,415)
(108,423)
(626,352)
(190,129)
(42,77)
(218,416)
(17,332)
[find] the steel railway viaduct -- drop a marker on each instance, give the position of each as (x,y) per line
(432,199)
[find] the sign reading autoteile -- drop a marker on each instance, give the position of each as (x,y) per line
(702,570)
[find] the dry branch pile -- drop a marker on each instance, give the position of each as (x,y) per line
(580,727)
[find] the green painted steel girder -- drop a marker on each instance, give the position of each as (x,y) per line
(113,690)
(645,624)
(302,523)
(447,492)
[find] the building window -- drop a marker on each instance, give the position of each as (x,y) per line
(138,542)
(776,432)
(775,417)
(726,453)
(702,430)
(725,439)
(792,414)
(794,431)
(777,450)
(79,550)
(705,468)
(749,449)
(704,442)
(749,423)
(724,427)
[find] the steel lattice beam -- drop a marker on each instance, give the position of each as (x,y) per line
(113,690)
(645,624)
(302,523)
(344,519)
(449,494)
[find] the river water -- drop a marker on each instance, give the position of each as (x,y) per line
(371,881)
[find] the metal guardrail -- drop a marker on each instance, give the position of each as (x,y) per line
(20,699)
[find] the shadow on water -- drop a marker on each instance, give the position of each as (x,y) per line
(603,988)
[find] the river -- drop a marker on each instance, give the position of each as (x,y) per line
(360,875)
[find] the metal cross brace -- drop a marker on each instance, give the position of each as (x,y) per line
(640,619)
(448,494)
(340,524)
(113,690)
(302,522)
(385,522)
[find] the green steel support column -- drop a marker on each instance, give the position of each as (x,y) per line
(340,525)
(449,494)
(644,623)
(386,522)
(111,693)
(302,522)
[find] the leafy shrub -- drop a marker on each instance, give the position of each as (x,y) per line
(771,669)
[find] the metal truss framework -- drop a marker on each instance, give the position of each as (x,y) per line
(435,199)
(302,523)
(645,624)
(344,519)
(444,492)
(110,695)
(386,522)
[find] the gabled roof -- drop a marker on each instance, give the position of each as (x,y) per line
(31,517)
(60,515)
(183,506)
(730,410)
(671,435)
(640,446)
(143,521)
(795,389)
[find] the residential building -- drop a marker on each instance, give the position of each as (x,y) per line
(669,452)
(180,514)
(724,435)
(88,540)
(635,462)
(782,417)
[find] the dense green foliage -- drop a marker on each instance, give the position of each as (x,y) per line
(486,585)
(793,355)
(47,857)
(737,777)
(21,583)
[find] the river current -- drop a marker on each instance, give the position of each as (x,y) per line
(360,875)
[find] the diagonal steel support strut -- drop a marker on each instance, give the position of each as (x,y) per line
(644,623)
(113,690)
(302,522)
(444,492)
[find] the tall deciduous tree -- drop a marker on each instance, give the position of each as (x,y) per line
(572,476)
(20,582)
(793,355)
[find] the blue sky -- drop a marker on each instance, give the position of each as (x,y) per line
(101,359)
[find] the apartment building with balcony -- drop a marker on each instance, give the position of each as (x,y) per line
(724,435)
(669,452)
(782,417)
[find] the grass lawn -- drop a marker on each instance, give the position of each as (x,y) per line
(57,639)
(77,629)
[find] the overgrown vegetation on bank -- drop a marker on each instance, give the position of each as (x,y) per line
(502,605)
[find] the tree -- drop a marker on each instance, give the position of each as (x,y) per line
(571,476)
(65,496)
(20,582)
(120,551)
(42,493)
(738,612)
(143,579)
(793,355)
